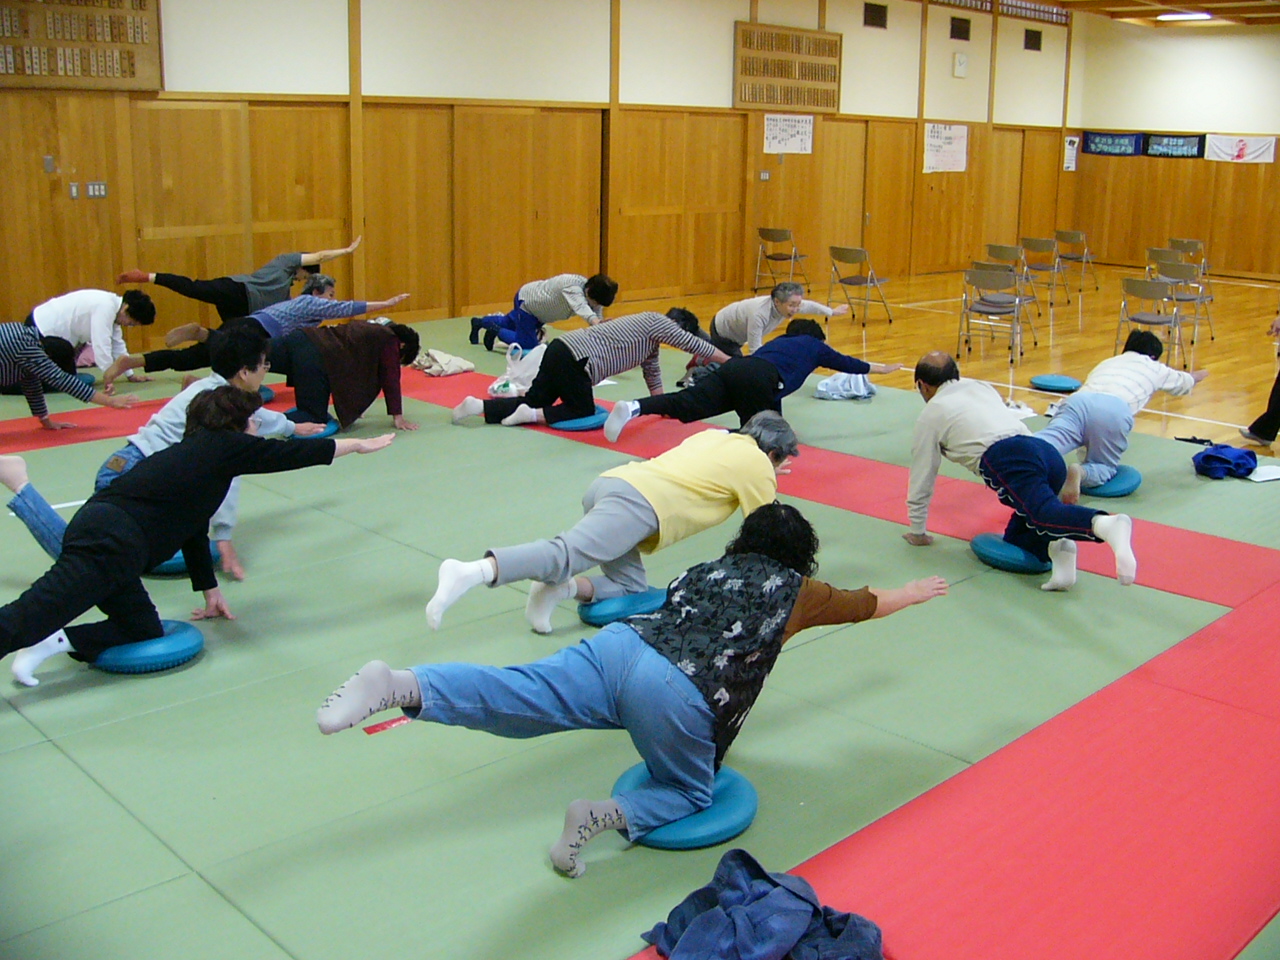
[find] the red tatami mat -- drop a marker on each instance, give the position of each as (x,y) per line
(1226,572)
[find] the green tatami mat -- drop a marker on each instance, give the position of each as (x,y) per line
(1266,945)
(180,918)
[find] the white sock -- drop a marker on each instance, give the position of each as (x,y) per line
(1116,531)
(520,416)
(543,598)
(1063,555)
(28,658)
(470,407)
(624,411)
(582,821)
(374,688)
(456,578)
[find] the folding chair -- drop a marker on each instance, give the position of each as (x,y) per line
(1014,257)
(776,248)
(1042,260)
(992,299)
(1193,252)
(861,277)
(1078,253)
(1161,312)
(1187,288)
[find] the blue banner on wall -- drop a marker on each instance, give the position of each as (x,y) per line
(1160,145)
(1113,144)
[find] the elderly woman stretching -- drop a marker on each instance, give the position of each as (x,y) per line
(680,681)
(633,509)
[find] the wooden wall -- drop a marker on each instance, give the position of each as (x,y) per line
(463,202)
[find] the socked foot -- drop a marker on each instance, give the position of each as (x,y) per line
(470,407)
(582,821)
(1116,531)
(456,577)
(1062,553)
(374,688)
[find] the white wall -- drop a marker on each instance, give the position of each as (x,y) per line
(880,76)
(243,46)
(947,97)
(1029,83)
(1205,79)
(789,13)
(678,54)
(486,49)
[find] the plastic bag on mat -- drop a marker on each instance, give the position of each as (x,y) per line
(845,386)
(522,367)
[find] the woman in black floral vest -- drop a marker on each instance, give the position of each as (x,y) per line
(680,681)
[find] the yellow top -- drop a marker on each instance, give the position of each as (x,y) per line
(699,484)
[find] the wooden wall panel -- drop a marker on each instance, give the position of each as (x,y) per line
(408,229)
(890,194)
(568,164)
(32,249)
(844,156)
(1002,179)
(948,210)
(1041,167)
(1241,234)
(713,203)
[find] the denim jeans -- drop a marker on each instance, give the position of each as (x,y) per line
(1100,423)
(122,461)
(611,681)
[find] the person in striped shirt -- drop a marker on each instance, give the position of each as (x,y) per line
(547,301)
(23,362)
(576,362)
(1099,416)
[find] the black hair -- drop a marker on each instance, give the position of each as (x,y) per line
(61,352)
(222,408)
(781,532)
(139,306)
(686,320)
(241,348)
(318,283)
(1144,342)
(410,342)
(310,267)
(601,289)
(934,373)
(805,327)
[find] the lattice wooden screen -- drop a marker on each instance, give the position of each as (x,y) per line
(80,44)
(785,68)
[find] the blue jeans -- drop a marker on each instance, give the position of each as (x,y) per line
(1100,423)
(44,522)
(1026,473)
(612,681)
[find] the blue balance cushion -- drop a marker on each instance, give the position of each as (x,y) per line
(329,430)
(733,807)
(997,552)
(604,612)
(176,565)
(181,642)
(1126,480)
(86,378)
(266,393)
(1056,383)
(593,422)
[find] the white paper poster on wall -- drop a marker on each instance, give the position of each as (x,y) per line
(946,147)
(1240,149)
(788,133)
(1070,151)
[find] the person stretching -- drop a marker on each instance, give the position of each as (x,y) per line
(680,681)
(967,422)
(161,505)
(244,293)
(636,508)
(25,364)
(95,318)
(1099,416)
(547,301)
(239,360)
(747,385)
(748,322)
(576,362)
(315,304)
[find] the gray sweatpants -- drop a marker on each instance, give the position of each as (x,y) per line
(616,518)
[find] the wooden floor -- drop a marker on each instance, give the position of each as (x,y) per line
(1072,338)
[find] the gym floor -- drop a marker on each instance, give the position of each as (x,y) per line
(198,812)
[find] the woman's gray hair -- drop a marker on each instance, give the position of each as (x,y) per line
(318,283)
(773,435)
(785,291)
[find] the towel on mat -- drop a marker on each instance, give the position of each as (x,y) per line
(437,363)
(845,386)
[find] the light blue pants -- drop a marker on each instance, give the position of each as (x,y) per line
(1098,422)
(611,681)
(45,524)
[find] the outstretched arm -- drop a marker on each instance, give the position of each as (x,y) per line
(375,305)
(371,445)
(917,591)
(320,256)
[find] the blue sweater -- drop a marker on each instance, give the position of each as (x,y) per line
(798,356)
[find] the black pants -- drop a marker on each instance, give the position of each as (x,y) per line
(560,378)
(1268,425)
(745,385)
(104,553)
(724,344)
(228,296)
(298,358)
(198,355)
